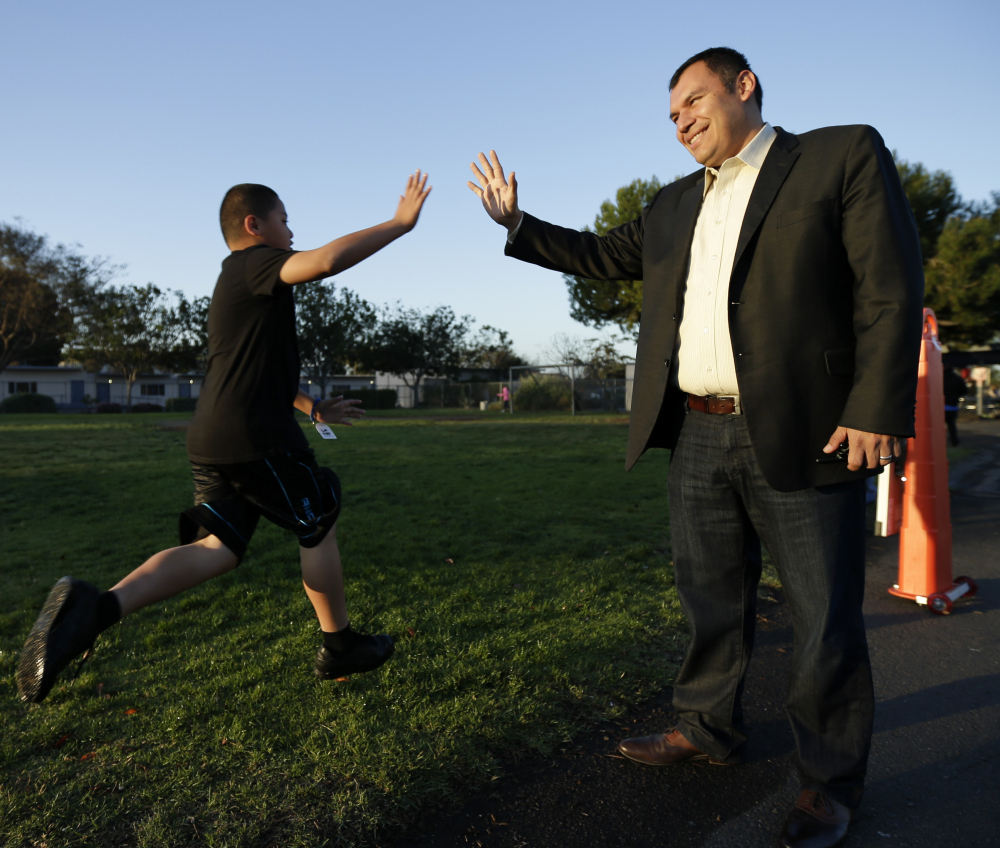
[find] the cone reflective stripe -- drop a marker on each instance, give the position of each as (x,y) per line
(925,537)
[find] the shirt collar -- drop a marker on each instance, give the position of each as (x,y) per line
(753,154)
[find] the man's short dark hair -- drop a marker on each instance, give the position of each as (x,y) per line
(726,64)
(242,200)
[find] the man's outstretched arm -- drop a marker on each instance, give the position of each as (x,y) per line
(340,254)
(615,256)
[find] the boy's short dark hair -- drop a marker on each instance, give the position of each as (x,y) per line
(726,64)
(242,200)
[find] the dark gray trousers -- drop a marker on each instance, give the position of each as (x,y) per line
(721,508)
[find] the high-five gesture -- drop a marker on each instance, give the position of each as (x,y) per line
(411,202)
(498,195)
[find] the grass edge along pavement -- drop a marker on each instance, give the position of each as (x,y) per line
(525,575)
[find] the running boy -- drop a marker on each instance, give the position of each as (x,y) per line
(248,454)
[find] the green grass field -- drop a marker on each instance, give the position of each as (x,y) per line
(524,574)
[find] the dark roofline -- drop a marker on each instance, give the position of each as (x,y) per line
(44,367)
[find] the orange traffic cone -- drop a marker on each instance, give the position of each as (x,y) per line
(925,538)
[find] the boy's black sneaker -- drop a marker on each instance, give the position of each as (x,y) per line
(367,654)
(66,627)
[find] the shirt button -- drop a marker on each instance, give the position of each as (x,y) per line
(708,292)
(723,191)
(708,369)
(705,330)
(715,256)
(718,222)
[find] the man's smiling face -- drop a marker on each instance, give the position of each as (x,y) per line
(712,123)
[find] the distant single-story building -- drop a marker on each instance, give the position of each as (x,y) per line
(74,389)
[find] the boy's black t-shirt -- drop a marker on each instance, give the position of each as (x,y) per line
(245,410)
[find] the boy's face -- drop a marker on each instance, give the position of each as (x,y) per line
(273,230)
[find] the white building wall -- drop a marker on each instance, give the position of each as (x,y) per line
(67,385)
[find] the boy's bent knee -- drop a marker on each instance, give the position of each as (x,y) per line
(223,559)
(230,521)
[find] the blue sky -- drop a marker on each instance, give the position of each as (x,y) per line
(124,123)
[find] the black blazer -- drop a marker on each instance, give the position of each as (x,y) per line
(826,300)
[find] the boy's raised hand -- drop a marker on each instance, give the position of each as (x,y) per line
(411,202)
(498,195)
(338,411)
(347,251)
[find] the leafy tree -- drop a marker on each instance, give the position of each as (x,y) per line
(933,199)
(960,243)
(130,328)
(412,344)
(491,349)
(31,320)
(599,303)
(963,277)
(592,359)
(41,289)
(190,319)
(334,330)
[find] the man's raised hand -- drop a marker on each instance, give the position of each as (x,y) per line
(411,202)
(498,195)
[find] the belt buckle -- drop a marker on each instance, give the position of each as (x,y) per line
(737,409)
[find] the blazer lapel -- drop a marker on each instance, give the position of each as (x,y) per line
(687,217)
(777,165)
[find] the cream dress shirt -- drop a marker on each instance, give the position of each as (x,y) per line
(704,357)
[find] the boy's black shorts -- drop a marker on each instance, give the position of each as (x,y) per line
(288,489)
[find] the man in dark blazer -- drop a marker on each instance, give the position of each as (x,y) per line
(777,359)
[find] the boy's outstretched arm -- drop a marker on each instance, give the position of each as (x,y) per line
(340,254)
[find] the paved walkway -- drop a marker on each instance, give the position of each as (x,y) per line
(934,777)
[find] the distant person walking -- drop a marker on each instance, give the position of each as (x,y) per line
(954,389)
(504,395)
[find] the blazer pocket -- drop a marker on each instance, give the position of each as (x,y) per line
(839,363)
(810,210)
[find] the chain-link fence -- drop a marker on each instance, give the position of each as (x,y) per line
(531,393)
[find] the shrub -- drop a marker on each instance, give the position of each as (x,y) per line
(28,402)
(181,404)
(146,407)
(105,406)
(544,392)
(374,398)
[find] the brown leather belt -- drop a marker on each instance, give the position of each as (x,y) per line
(714,405)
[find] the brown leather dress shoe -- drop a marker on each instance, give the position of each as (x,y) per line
(664,749)
(816,821)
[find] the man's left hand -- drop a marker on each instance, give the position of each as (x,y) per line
(338,411)
(869,450)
